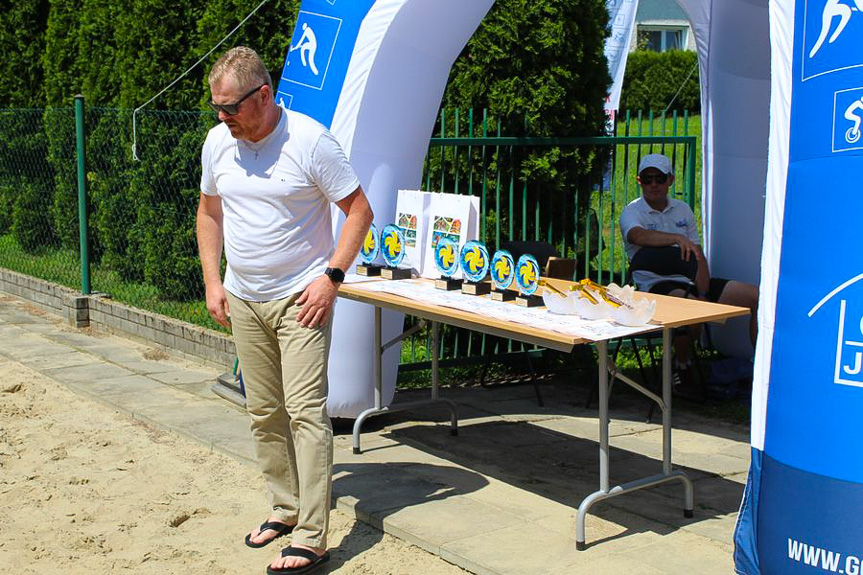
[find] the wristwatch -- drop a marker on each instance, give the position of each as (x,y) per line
(335,274)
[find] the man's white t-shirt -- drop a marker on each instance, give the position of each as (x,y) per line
(276,196)
(676,218)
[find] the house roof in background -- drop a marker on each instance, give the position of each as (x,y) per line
(649,10)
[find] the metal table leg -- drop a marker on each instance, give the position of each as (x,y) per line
(378,379)
(668,473)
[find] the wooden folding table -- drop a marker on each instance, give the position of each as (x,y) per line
(671,312)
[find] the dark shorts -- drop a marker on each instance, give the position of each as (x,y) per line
(714,290)
(663,261)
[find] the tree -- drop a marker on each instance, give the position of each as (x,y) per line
(654,78)
(21,43)
(543,60)
(540,70)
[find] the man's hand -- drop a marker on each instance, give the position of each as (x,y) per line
(688,248)
(217,305)
(317,302)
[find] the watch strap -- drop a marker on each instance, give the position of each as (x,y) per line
(335,274)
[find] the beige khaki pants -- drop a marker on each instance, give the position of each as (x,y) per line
(284,367)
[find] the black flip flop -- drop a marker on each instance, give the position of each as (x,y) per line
(279,528)
(316,561)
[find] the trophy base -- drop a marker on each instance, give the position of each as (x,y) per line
(529,301)
(502,295)
(448,284)
(480,288)
(389,273)
(368,270)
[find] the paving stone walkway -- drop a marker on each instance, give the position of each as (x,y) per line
(500,498)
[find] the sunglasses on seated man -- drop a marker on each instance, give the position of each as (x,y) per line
(232,109)
(649,179)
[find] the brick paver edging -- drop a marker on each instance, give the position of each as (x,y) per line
(99,312)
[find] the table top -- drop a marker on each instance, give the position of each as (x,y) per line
(670,312)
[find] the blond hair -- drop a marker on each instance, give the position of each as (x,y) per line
(244,65)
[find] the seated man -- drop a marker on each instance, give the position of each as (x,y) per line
(665,256)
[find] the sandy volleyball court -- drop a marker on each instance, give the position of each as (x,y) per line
(87,490)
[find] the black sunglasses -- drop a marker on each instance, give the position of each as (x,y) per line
(658,178)
(232,109)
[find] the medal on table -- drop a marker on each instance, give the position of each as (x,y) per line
(446,259)
(368,254)
(474,268)
(393,251)
(502,275)
(527,278)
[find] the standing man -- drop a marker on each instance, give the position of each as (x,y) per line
(665,257)
(268,178)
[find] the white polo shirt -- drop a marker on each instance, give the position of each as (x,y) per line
(676,218)
(276,196)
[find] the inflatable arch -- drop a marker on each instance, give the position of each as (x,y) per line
(778,76)
(374,72)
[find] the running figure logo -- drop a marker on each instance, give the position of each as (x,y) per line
(308,46)
(834,9)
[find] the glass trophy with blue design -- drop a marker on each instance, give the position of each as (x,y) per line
(369,253)
(527,278)
(474,268)
(446,260)
(502,272)
(393,251)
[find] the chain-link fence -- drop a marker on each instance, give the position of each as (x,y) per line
(142,248)
(38,229)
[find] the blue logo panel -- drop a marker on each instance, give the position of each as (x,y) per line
(310,54)
(827,110)
(815,376)
(810,497)
(831,42)
(847,120)
(318,57)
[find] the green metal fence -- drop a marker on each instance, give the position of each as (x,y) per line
(141,245)
(576,210)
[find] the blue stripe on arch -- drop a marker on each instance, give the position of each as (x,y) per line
(798,508)
(746,529)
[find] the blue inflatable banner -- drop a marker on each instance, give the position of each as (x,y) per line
(802,507)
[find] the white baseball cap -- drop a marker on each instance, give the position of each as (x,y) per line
(658,161)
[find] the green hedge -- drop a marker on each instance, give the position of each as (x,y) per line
(540,67)
(26,180)
(540,63)
(22,43)
(653,78)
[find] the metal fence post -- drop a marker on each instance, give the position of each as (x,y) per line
(82,196)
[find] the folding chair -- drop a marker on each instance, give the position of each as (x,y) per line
(654,379)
